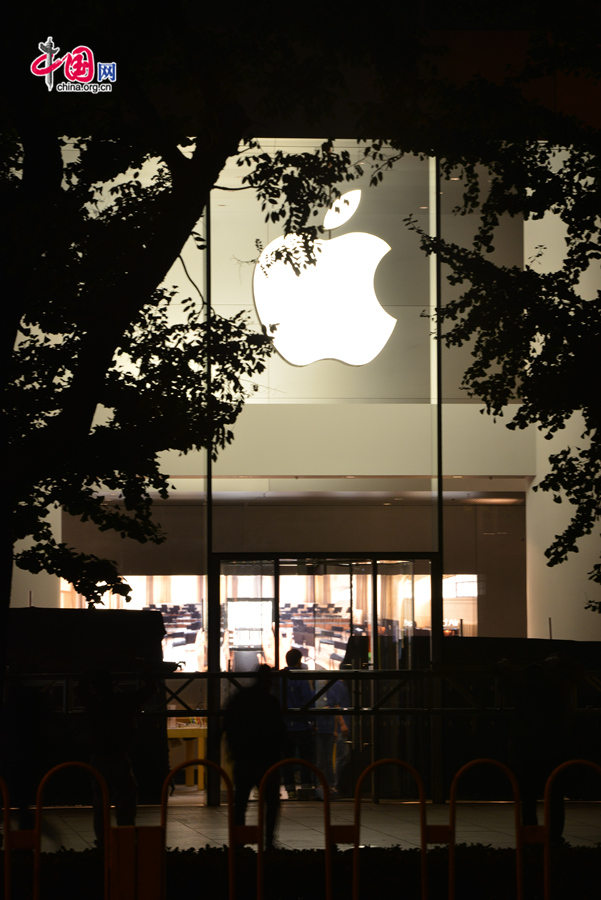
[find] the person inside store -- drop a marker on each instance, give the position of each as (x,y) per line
(339,698)
(327,728)
(256,739)
(299,780)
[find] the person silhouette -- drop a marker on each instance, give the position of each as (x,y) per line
(327,730)
(301,729)
(338,697)
(256,739)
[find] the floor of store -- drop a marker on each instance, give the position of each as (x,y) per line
(191,824)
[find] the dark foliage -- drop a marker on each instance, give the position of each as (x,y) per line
(481,871)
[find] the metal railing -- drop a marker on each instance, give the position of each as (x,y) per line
(134,856)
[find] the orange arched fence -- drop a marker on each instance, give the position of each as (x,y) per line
(587,763)
(484,761)
(422,820)
(233,834)
(134,856)
(37,830)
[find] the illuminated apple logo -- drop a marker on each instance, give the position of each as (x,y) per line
(330,309)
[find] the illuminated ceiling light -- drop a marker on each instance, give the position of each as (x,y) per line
(330,309)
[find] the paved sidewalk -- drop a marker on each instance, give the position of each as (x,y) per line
(385,824)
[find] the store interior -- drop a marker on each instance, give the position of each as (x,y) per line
(321,604)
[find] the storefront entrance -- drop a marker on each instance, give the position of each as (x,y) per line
(356,612)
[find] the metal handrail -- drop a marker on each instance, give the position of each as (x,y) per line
(407,676)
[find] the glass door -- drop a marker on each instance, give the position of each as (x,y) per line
(247,615)
(331,609)
(325,610)
(403,612)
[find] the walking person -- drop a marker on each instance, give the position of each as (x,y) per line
(256,736)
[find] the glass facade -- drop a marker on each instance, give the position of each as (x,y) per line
(324,607)
(340,613)
(323,604)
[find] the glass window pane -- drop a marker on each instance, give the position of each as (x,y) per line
(247,601)
(460,605)
(396,615)
(325,611)
(181,599)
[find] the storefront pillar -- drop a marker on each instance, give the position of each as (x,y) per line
(213,685)
(213,566)
(436,699)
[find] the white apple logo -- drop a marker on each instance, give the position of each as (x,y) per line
(330,310)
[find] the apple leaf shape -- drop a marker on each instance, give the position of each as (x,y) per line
(342,210)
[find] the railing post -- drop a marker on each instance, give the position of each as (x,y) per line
(214,676)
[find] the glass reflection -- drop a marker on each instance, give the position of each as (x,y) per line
(325,611)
